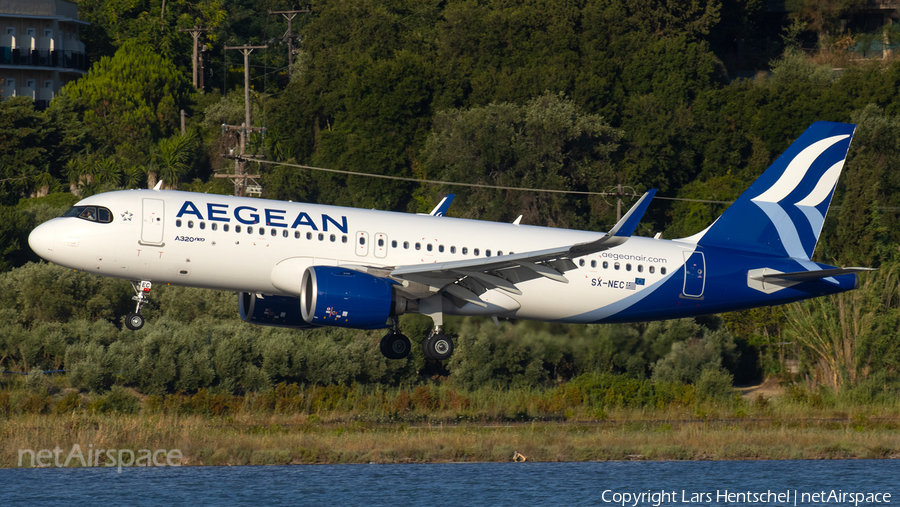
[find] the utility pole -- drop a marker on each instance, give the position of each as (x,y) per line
(195,33)
(289,36)
(239,176)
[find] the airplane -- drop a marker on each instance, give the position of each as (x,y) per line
(300,265)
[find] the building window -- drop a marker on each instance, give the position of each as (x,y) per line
(30,31)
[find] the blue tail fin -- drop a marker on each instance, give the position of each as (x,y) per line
(783,210)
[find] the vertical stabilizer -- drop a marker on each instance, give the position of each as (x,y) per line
(783,211)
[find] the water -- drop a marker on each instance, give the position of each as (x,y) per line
(460,484)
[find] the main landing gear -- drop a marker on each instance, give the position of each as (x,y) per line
(395,345)
(437,345)
(135,320)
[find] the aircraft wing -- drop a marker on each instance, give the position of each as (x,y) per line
(466,279)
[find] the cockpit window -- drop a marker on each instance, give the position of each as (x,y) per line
(91,213)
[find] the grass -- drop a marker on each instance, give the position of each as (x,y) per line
(435,423)
(250,439)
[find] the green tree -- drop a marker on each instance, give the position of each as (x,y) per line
(129,101)
(547,143)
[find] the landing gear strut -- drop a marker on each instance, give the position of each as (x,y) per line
(135,320)
(395,345)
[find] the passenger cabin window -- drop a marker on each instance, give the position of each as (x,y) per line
(90,213)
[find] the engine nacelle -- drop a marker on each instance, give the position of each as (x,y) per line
(278,311)
(342,297)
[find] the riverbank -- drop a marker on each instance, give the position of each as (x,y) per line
(249,440)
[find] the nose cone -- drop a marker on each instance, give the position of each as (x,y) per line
(44,238)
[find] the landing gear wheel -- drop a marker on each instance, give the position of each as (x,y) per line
(395,346)
(134,321)
(438,347)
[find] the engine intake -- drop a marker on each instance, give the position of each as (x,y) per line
(336,296)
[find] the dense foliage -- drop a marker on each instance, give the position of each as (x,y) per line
(578,95)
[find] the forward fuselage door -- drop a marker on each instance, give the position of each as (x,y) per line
(362,243)
(380,245)
(694,274)
(153,222)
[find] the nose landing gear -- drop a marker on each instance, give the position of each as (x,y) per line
(135,320)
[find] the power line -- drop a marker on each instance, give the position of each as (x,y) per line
(475,185)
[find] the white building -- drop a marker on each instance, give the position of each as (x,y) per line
(40,50)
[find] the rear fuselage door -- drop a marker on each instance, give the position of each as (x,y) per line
(153,222)
(694,274)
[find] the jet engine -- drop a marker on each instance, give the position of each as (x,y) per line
(336,296)
(265,310)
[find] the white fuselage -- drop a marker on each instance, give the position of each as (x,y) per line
(263,246)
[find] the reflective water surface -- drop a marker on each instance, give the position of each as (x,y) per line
(607,483)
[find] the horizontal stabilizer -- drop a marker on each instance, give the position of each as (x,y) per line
(805,276)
